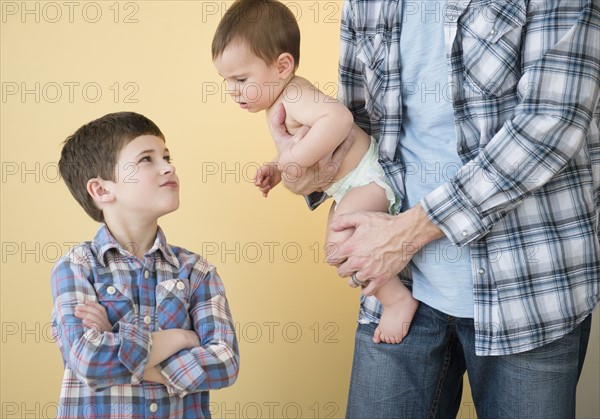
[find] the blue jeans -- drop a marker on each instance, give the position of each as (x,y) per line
(422,376)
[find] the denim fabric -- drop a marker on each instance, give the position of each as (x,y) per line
(422,377)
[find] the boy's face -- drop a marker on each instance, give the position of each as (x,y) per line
(146,185)
(250,81)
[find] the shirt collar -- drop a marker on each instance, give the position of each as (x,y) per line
(104,241)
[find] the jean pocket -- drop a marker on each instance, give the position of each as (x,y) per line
(491,44)
(372,53)
(173,303)
(118,301)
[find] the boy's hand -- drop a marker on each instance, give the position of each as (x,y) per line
(191,338)
(304,181)
(267,177)
(94,316)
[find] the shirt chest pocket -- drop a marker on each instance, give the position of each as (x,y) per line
(491,44)
(173,304)
(372,53)
(118,301)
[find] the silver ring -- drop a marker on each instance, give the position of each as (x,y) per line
(357,281)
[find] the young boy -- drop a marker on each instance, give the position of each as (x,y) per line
(256,49)
(144,327)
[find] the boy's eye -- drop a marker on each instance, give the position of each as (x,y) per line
(168,159)
(240,80)
(145,158)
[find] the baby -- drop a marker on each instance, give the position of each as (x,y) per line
(256,50)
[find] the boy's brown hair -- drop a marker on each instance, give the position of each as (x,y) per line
(92,152)
(268,27)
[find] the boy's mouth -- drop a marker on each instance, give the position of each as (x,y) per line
(170,184)
(243,105)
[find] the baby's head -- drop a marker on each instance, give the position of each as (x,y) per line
(256,48)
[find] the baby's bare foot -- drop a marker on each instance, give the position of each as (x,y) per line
(395,321)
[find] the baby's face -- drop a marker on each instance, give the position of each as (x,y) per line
(251,82)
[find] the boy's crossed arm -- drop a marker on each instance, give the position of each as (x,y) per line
(165,343)
(187,360)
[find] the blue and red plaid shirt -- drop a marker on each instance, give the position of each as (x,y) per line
(170,288)
(524,81)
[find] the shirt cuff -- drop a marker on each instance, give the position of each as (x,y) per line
(451,211)
(315,199)
(182,373)
(135,349)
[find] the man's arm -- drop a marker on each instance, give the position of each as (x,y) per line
(351,91)
(547,131)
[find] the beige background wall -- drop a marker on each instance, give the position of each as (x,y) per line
(65,63)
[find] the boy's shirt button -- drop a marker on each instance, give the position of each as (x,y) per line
(153,407)
(180,285)
(147,319)
(146,274)
(111,290)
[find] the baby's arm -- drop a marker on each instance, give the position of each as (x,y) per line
(214,362)
(330,123)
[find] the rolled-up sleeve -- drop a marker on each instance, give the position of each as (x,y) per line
(548,128)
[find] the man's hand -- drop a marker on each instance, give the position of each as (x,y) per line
(267,177)
(382,244)
(94,316)
(302,180)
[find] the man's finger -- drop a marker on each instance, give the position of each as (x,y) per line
(346,221)
(369,289)
(278,119)
(300,133)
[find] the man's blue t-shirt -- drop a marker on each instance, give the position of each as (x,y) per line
(441,271)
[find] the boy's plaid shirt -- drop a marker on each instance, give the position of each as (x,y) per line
(170,288)
(524,81)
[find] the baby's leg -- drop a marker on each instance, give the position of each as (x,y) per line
(369,197)
(398,304)
(399,308)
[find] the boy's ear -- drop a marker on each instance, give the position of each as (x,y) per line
(285,65)
(99,191)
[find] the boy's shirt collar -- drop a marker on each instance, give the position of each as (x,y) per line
(104,241)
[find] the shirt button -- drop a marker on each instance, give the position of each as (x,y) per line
(464,233)
(180,285)
(480,271)
(493,32)
(153,407)
(135,380)
(147,319)
(146,274)
(111,290)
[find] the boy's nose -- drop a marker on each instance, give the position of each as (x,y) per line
(167,168)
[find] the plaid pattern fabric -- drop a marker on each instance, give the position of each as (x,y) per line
(524,80)
(170,288)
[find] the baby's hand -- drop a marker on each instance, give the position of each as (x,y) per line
(94,316)
(267,177)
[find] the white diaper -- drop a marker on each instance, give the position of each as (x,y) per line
(367,171)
